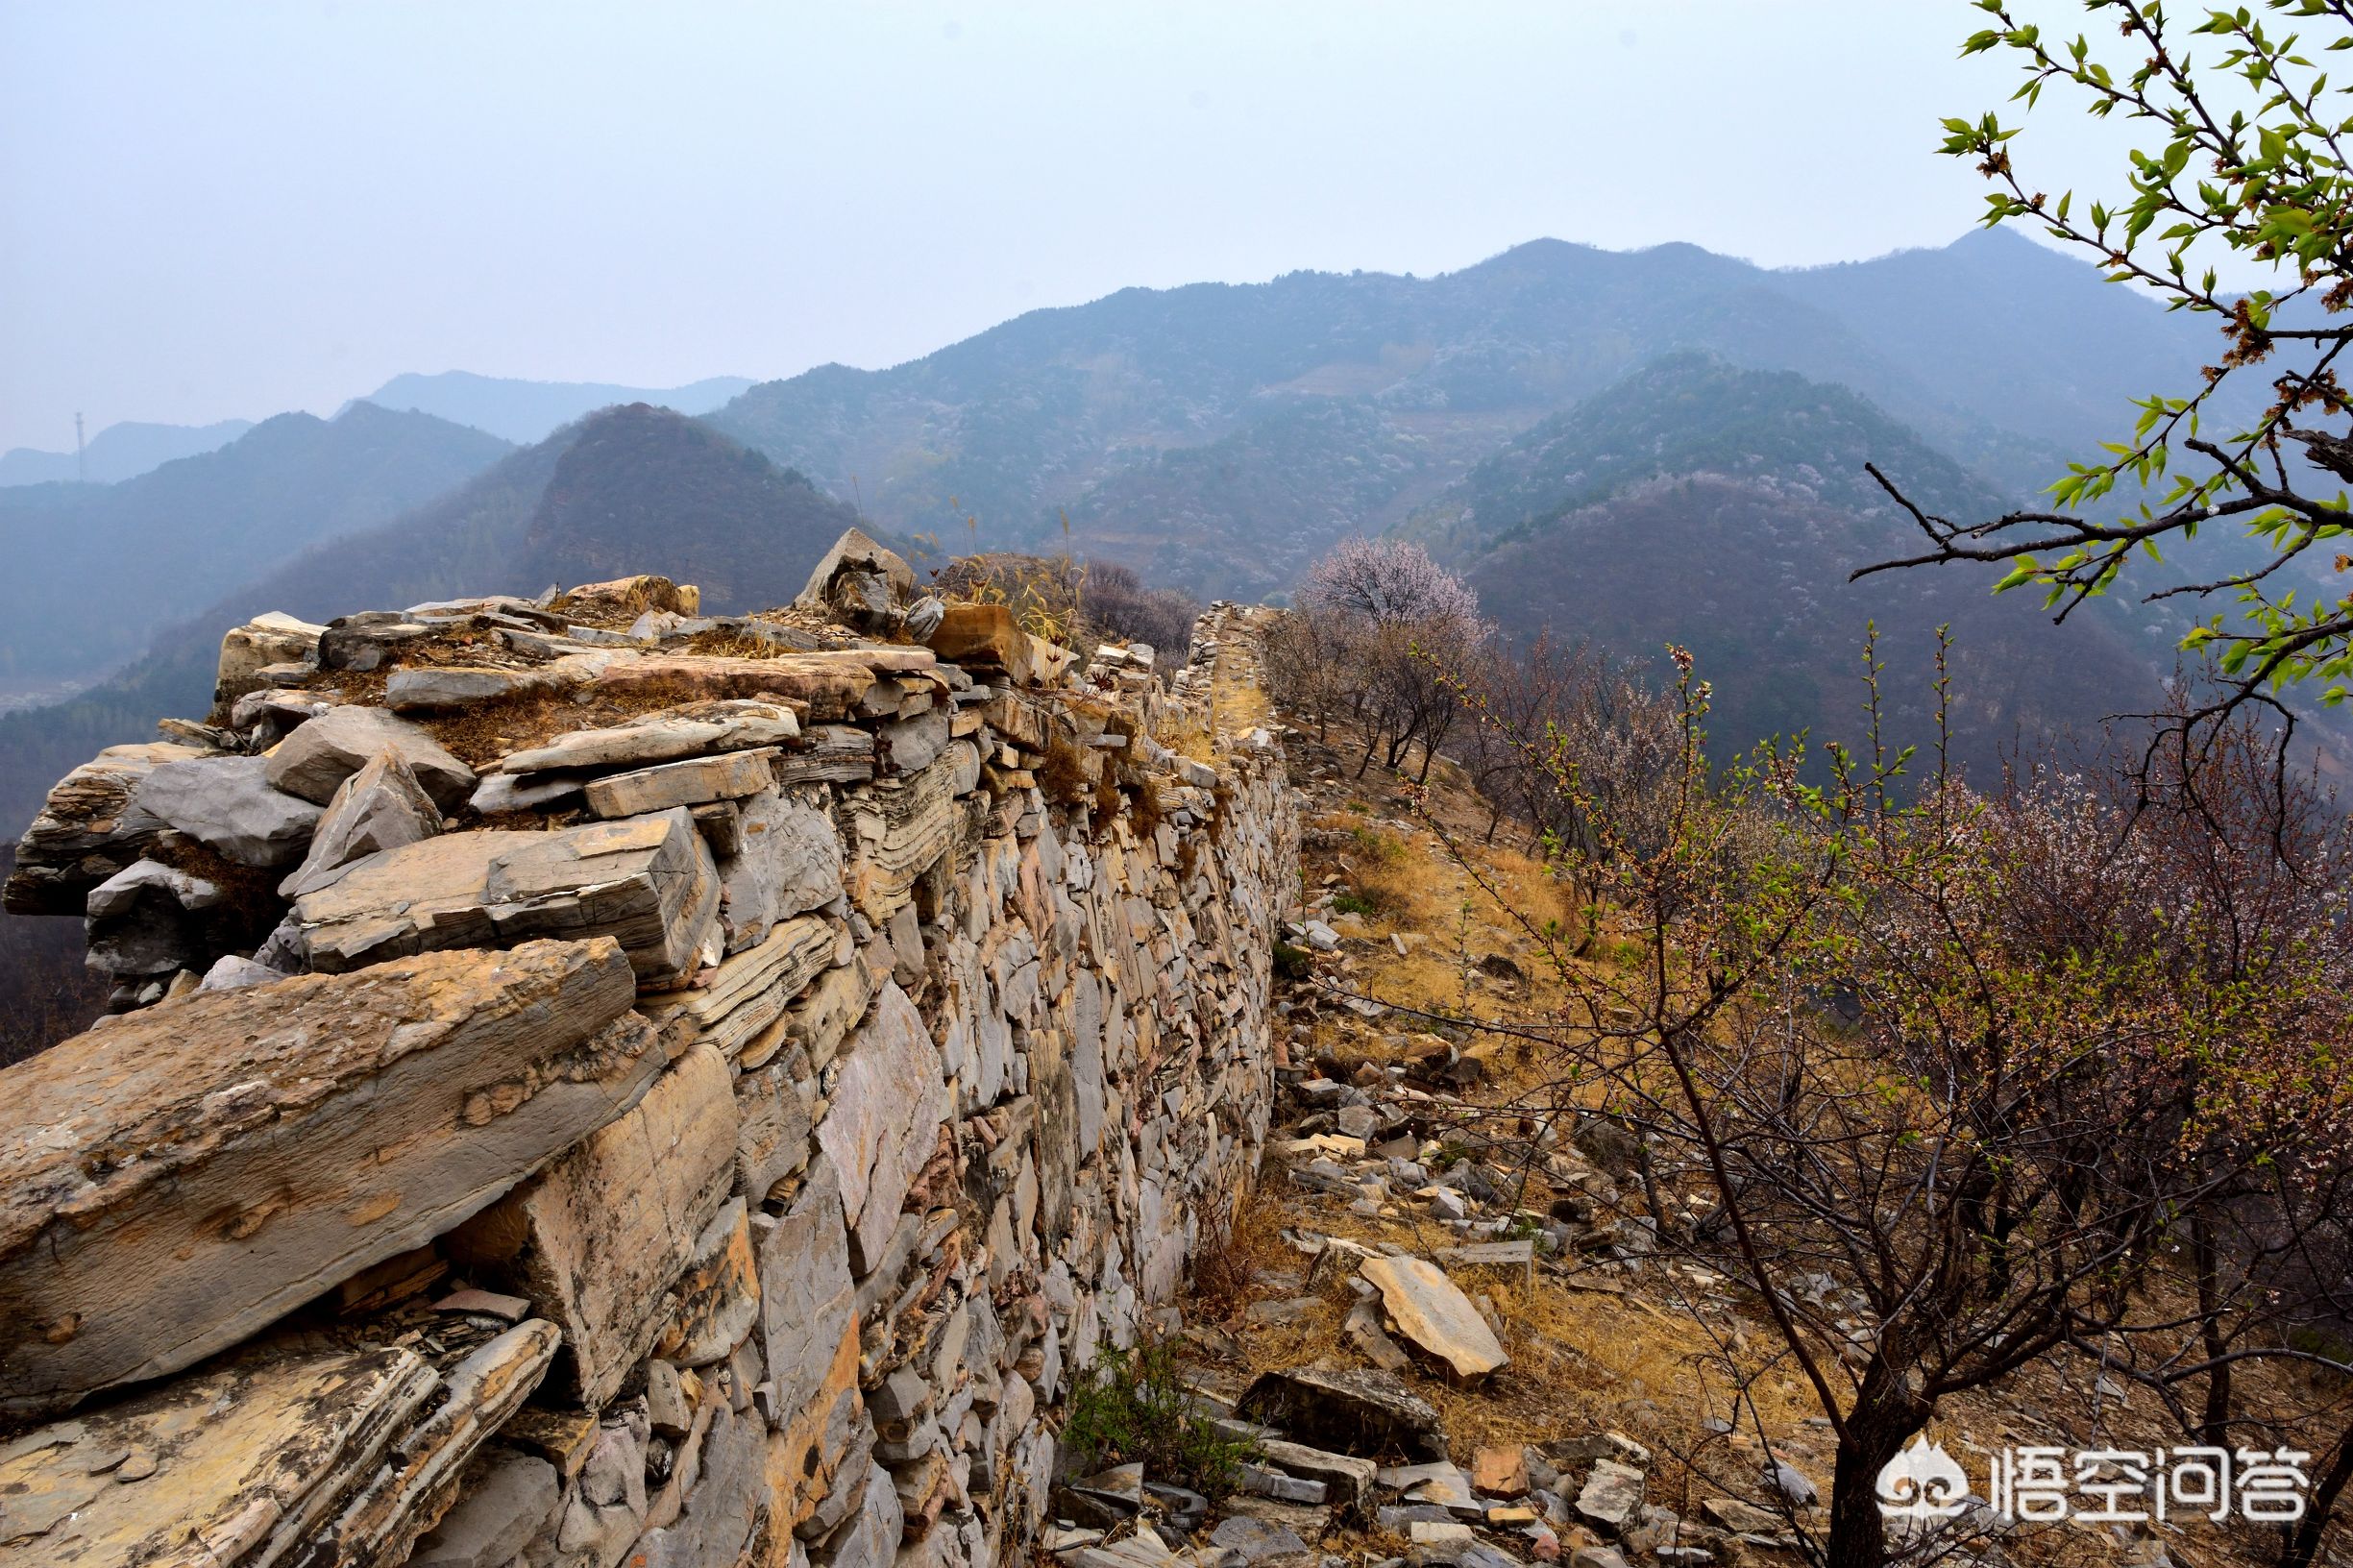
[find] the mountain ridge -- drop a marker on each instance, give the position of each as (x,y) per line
(159,547)
(120,452)
(523,411)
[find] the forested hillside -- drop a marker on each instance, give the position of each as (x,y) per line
(94,569)
(1152,404)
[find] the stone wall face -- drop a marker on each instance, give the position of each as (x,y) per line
(648,1104)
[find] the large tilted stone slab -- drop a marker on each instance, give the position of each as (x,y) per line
(228,804)
(380,807)
(730,775)
(1430,1311)
(694,729)
(88,830)
(887,1103)
(419,897)
(313,762)
(607,1229)
(648,882)
(174,1180)
(249,1458)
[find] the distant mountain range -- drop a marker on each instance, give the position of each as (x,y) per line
(1641,446)
(527,411)
(1148,406)
(94,569)
(119,451)
(514,410)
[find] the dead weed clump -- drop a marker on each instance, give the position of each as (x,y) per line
(1223,1274)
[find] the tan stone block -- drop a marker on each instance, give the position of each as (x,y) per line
(730,775)
(598,1240)
(717,1300)
(892,831)
(803,1459)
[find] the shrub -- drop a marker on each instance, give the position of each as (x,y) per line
(1291,962)
(1132,1406)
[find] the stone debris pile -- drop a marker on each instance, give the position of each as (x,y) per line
(592,1082)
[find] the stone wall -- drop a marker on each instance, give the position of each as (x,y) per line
(594,1085)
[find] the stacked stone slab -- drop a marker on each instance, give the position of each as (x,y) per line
(646,1104)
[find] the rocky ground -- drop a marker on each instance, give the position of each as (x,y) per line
(1453,1338)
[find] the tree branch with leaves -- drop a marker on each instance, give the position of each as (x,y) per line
(2247,157)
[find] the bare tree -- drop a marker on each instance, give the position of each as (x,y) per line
(2249,158)
(1936,1136)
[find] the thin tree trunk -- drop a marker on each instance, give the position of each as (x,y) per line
(2214,1425)
(2302,1546)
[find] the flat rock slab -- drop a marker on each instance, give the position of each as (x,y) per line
(1500,1471)
(695,729)
(830,685)
(1348,1481)
(694,781)
(1362,1412)
(228,804)
(424,687)
(1610,1495)
(313,762)
(648,882)
(1430,1311)
(1256,1540)
(1440,1485)
(887,1103)
(175,1180)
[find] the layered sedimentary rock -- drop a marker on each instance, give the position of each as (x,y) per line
(705,1120)
(175,1180)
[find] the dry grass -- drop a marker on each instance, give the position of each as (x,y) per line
(1235,1249)
(1661,1357)
(1068,775)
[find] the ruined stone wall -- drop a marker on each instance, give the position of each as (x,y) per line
(598,1085)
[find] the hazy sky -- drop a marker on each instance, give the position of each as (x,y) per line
(214,209)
